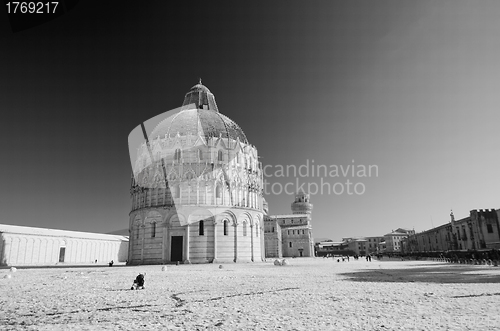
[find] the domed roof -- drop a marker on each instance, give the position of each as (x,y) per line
(200,87)
(201,96)
(204,119)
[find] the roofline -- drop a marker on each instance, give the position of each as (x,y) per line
(36,231)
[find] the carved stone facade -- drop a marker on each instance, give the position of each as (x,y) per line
(209,208)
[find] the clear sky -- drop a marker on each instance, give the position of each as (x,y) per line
(411,87)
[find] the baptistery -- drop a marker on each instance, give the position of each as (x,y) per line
(196,189)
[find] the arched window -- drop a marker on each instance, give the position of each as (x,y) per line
(217,191)
(177,155)
(219,156)
(153,230)
(225,227)
(256,230)
(201,229)
(200,154)
(244,228)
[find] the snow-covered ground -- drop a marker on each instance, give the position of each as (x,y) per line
(308,294)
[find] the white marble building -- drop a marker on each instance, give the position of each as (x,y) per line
(30,246)
(196,190)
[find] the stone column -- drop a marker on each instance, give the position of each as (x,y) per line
(251,240)
(186,258)
(263,242)
(131,240)
(142,244)
(235,224)
(164,243)
(215,241)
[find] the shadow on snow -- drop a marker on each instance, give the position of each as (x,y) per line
(436,274)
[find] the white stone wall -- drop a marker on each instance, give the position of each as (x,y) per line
(25,249)
(194,180)
(212,246)
(301,240)
(225,243)
(201,247)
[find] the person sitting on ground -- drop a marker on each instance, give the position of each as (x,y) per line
(138,282)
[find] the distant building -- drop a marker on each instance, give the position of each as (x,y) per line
(290,235)
(406,231)
(393,241)
(357,245)
(479,231)
(324,248)
(23,246)
(363,245)
(382,247)
(373,244)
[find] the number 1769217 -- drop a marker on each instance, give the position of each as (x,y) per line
(31,7)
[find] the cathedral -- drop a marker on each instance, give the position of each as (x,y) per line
(196,189)
(290,235)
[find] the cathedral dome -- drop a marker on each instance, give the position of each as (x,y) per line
(203,118)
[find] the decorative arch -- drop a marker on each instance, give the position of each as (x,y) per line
(137,220)
(229,216)
(176,219)
(172,176)
(257,224)
(153,216)
(190,175)
(248,217)
(136,225)
(199,214)
(258,219)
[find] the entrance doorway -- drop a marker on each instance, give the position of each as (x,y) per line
(176,248)
(62,253)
